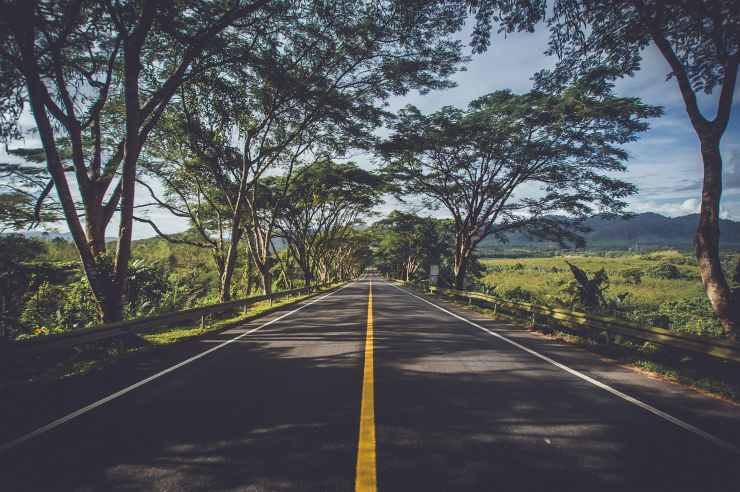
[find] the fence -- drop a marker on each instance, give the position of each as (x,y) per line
(591,325)
(150,323)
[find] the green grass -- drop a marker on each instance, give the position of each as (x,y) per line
(167,336)
(538,276)
(674,303)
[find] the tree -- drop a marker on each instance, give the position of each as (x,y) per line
(322,203)
(314,86)
(20,185)
(588,291)
(511,161)
(406,243)
(15,277)
(75,64)
(699,39)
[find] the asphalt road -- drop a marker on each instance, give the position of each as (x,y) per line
(421,400)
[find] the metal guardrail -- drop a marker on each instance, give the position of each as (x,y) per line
(149,323)
(585,324)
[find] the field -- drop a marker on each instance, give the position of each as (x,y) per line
(660,288)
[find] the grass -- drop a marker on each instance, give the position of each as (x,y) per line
(168,336)
(544,276)
(677,303)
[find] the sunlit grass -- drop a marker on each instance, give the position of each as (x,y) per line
(167,336)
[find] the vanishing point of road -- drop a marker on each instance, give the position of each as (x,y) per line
(371,387)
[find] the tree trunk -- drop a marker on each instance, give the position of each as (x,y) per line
(459,274)
(707,238)
(266,281)
(460,261)
(230,262)
(248,269)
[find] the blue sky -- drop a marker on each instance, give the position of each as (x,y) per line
(665,163)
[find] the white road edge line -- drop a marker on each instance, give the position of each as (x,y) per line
(70,416)
(645,406)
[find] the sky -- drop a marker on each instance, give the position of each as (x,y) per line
(664,163)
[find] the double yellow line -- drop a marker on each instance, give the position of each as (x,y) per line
(366,475)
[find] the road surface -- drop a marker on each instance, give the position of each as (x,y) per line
(371,388)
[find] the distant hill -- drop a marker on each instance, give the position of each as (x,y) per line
(48,236)
(646,230)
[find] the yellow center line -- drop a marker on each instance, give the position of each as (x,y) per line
(366,478)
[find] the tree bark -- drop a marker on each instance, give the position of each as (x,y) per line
(707,238)
(460,268)
(230,261)
(266,280)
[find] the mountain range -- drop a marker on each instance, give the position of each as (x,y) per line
(640,231)
(644,230)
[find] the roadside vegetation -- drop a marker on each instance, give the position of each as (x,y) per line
(659,288)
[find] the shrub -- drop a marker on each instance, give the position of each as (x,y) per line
(692,315)
(632,275)
(665,270)
(588,292)
(147,286)
(78,309)
(519,294)
(42,307)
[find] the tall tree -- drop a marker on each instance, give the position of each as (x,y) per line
(511,161)
(406,243)
(323,200)
(314,86)
(700,40)
(72,63)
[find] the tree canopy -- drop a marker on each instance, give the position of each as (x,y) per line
(514,161)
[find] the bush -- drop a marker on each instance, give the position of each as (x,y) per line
(588,292)
(42,308)
(147,286)
(519,294)
(632,275)
(79,309)
(665,270)
(692,315)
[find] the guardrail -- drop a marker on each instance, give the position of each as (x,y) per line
(586,324)
(149,323)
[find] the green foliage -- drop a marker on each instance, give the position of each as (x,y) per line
(42,309)
(587,292)
(15,278)
(147,286)
(665,270)
(633,275)
(406,245)
(79,309)
(519,294)
(473,161)
(692,315)
(674,303)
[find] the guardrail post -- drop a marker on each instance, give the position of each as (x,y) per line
(202,321)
